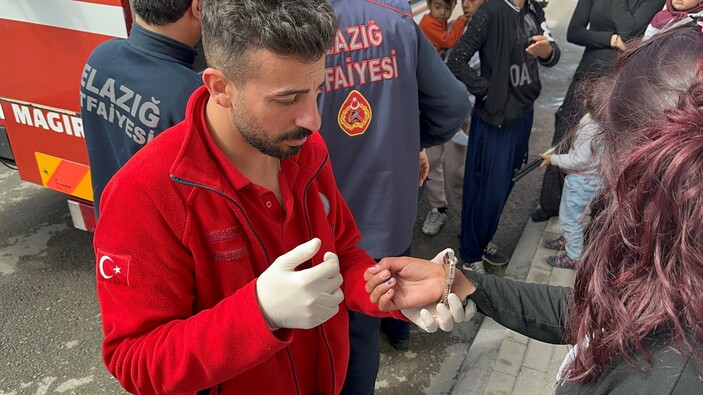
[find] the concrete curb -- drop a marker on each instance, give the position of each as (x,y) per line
(501,361)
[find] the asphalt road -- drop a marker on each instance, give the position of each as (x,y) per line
(49,318)
(50,323)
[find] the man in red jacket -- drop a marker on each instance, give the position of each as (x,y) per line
(226,256)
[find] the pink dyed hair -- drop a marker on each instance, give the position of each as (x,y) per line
(642,271)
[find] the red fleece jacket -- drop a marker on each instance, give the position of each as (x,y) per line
(177,263)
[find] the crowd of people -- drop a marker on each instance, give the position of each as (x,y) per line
(634,313)
(278,189)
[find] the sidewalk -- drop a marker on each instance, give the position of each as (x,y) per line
(501,361)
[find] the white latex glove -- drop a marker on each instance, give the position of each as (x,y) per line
(433,316)
(302,299)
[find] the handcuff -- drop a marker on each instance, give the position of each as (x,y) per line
(451,260)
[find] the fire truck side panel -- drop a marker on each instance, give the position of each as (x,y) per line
(45,44)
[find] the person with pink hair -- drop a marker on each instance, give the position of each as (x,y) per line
(635,312)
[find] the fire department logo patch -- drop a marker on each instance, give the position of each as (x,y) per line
(354,114)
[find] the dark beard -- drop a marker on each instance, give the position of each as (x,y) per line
(272,148)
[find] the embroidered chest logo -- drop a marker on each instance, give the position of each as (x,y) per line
(325,203)
(328,207)
(354,114)
(227,245)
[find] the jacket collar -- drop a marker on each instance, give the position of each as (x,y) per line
(197,164)
(512,5)
(160,46)
(528,4)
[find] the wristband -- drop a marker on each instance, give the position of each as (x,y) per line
(450,259)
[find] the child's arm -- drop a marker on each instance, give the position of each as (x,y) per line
(581,152)
(439,37)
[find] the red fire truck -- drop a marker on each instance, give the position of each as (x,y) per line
(45,44)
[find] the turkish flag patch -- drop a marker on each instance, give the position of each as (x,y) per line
(112,268)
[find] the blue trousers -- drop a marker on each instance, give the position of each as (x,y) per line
(365,349)
(492,156)
(576,195)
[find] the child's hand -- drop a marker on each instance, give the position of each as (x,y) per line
(546,160)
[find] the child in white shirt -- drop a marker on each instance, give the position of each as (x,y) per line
(582,164)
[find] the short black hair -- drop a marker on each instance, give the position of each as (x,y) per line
(160,12)
(447,2)
(231,29)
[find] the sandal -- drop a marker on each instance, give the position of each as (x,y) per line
(555,244)
(561,261)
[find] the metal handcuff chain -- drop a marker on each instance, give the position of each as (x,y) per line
(451,260)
